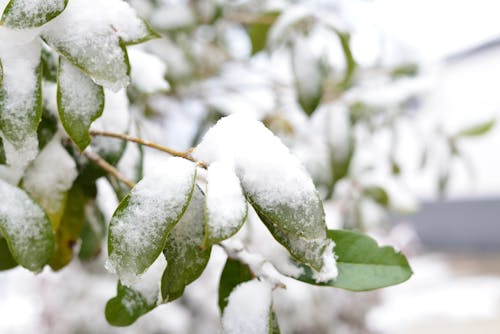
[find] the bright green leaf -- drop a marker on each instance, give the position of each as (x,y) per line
(234,273)
(80,102)
(362,264)
(185,258)
(22,14)
(26,228)
(477,130)
(140,225)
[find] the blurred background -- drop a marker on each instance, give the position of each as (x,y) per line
(390,104)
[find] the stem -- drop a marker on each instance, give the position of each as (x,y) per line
(107,167)
(186,155)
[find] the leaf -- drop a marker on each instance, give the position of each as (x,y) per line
(26,228)
(21,100)
(93,232)
(478,129)
(226,207)
(22,14)
(49,63)
(258,31)
(127,306)
(362,264)
(234,273)
(47,128)
(133,301)
(79,101)
(378,194)
(274,327)
(345,40)
(249,309)
(6,259)
(140,225)
(48,185)
(3,158)
(70,227)
(185,258)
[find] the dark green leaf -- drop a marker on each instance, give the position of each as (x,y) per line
(186,260)
(26,228)
(6,259)
(49,64)
(234,273)
(20,15)
(362,264)
(3,158)
(93,232)
(47,128)
(140,225)
(477,130)
(127,306)
(79,101)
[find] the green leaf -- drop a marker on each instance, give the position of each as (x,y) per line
(21,101)
(404,71)
(26,228)
(234,273)
(274,326)
(93,232)
(185,258)
(140,225)
(22,14)
(49,63)
(345,41)
(70,227)
(6,259)
(378,194)
(3,158)
(258,31)
(478,129)
(47,128)
(362,264)
(127,306)
(79,101)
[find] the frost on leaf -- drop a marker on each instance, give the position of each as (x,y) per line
(185,258)
(79,101)
(133,301)
(225,203)
(21,97)
(26,227)
(48,185)
(21,14)
(248,309)
(92,34)
(274,181)
(140,226)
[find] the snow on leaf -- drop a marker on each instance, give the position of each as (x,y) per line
(26,227)
(248,309)
(132,302)
(48,185)
(185,257)
(21,14)
(273,179)
(148,72)
(225,203)
(80,102)
(139,227)
(92,34)
(21,97)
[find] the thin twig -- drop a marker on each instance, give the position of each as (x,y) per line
(107,167)
(186,155)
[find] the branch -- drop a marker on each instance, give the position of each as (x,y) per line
(186,155)
(107,167)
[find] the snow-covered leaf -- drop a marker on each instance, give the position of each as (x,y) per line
(92,34)
(225,203)
(234,273)
(185,257)
(48,185)
(21,96)
(362,264)
(79,101)
(139,227)
(133,301)
(248,309)
(21,14)
(26,228)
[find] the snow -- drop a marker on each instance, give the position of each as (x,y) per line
(226,204)
(48,185)
(138,230)
(248,309)
(307,69)
(25,224)
(148,71)
(329,269)
(148,284)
